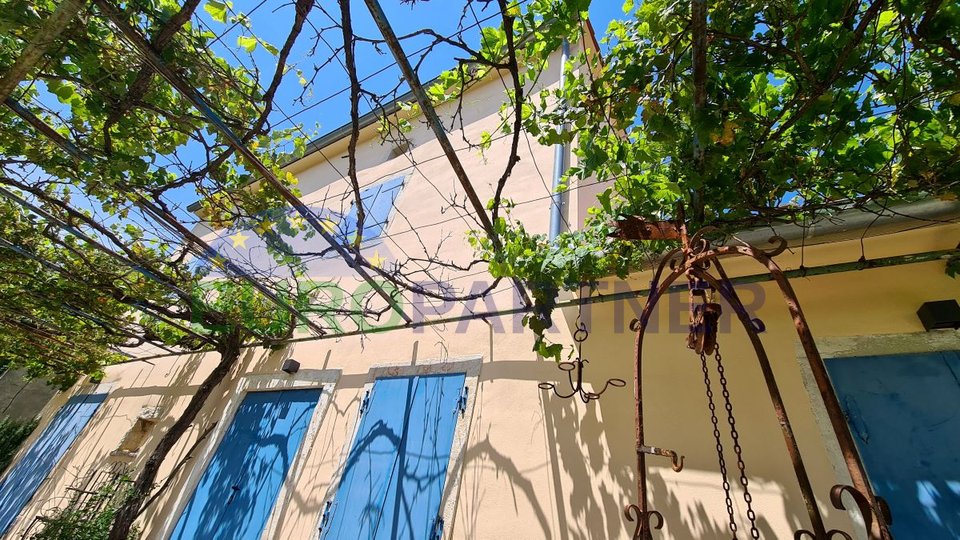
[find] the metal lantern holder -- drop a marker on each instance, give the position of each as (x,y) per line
(576,367)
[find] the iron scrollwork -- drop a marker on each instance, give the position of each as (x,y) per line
(698,260)
(644,527)
(579,336)
(872,519)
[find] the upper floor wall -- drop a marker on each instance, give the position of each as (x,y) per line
(417,212)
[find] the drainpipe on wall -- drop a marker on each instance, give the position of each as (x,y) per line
(559,157)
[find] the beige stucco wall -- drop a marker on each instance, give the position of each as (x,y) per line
(536,466)
(539,467)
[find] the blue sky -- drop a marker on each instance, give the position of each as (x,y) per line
(323,104)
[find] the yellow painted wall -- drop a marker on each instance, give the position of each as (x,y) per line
(540,467)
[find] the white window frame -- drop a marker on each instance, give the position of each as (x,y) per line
(325,379)
(470,367)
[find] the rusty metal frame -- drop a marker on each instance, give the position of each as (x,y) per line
(694,260)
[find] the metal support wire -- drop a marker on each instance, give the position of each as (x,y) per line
(228,265)
(139,306)
(416,87)
(157,213)
(143,48)
(43,326)
(898,260)
(44,128)
(150,274)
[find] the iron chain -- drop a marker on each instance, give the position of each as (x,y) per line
(716,436)
(735,435)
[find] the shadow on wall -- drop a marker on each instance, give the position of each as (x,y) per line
(85,457)
(593,445)
(591,460)
(309,504)
(22,398)
(173,396)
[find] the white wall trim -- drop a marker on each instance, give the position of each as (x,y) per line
(326,380)
(470,367)
(855,347)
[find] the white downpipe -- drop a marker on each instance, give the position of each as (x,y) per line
(559,157)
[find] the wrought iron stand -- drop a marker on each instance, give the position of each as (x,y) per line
(695,260)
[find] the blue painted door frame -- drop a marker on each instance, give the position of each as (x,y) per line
(904,412)
(25,477)
(239,487)
(393,479)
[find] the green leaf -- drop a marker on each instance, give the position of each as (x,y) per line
(885,19)
(217,10)
(64,92)
(270,48)
(485,140)
(247,43)
(953,266)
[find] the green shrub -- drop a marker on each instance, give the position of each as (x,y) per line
(12,435)
(87,517)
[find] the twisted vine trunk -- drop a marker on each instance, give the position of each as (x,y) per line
(698,51)
(229,349)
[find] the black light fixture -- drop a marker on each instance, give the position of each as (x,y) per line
(939,314)
(290,366)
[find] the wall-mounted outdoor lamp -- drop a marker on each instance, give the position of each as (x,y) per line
(939,314)
(290,366)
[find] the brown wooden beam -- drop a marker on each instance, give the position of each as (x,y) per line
(426,107)
(39,43)
(146,51)
(152,209)
(137,305)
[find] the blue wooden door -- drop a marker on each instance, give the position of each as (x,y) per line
(393,479)
(239,488)
(904,412)
(27,474)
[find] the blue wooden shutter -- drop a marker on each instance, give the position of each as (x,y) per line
(903,414)
(26,476)
(377,203)
(239,488)
(393,479)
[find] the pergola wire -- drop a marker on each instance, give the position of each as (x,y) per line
(205,250)
(149,56)
(150,274)
(190,241)
(414,164)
